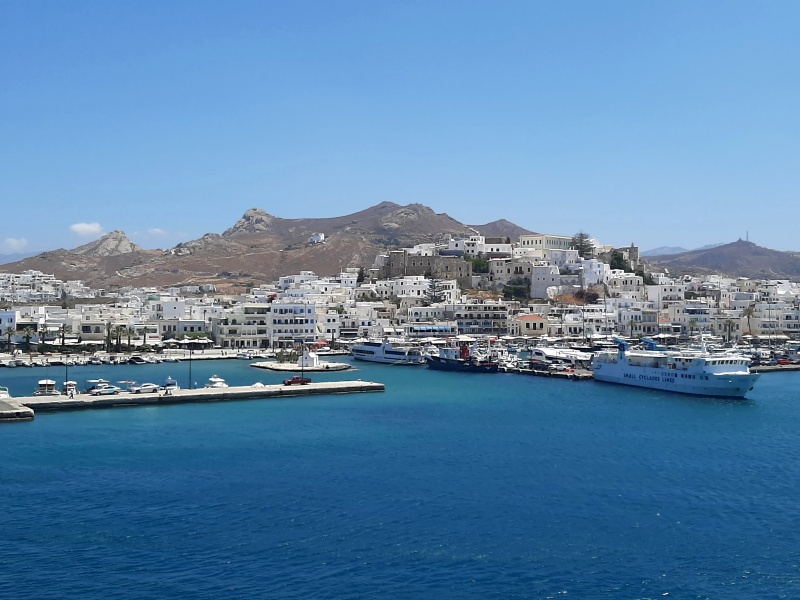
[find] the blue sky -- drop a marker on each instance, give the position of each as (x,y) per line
(658,123)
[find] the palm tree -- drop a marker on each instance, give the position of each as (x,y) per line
(27,334)
(109,337)
(130,332)
(118,332)
(729,328)
(8,332)
(692,326)
(748,313)
(63,331)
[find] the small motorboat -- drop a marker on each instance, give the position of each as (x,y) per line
(70,388)
(216,381)
(170,386)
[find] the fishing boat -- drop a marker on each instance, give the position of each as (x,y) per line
(696,372)
(462,359)
(386,352)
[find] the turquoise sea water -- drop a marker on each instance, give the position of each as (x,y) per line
(445,486)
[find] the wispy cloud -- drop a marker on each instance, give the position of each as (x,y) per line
(86,229)
(155,231)
(14,244)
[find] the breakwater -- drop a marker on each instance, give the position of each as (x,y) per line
(24,408)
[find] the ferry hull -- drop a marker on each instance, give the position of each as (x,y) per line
(463,366)
(390,360)
(722,385)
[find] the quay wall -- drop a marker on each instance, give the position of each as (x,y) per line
(274,392)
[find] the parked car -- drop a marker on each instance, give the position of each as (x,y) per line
(96,385)
(145,388)
(784,361)
(296,380)
(105,390)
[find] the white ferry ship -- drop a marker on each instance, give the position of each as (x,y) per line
(387,353)
(686,372)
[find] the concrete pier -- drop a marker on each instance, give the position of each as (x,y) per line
(12,410)
(774,368)
(247,392)
(572,374)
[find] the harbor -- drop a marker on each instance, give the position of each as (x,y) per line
(127,386)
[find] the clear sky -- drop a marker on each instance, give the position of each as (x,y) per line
(659,123)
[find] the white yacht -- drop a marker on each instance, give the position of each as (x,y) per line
(683,371)
(47,387)
(559,355)
(216,382)
(383,351)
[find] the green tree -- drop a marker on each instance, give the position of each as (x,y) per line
(618,261)
(582,242)
(27,334)
(8,332)
(362,275)
(692,326)
(435,292)
(44,331)
(109,336)
(118,332)
(129,331)
(62,332)
(517,288)
(479,264)
(647,278)
(728,328)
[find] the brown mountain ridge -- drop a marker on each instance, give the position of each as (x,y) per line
(737,259)
(258,248)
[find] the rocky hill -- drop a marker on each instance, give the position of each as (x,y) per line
(665,251)
(258,248)
(98,262)
(501,228)
(737,259)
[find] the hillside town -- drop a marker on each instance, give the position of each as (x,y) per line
(538,287)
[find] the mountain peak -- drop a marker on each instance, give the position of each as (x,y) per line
(254,220)
(111,244)
(501,228)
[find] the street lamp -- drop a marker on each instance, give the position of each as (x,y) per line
(191,387)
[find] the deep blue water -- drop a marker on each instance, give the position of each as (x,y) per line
(445,486)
